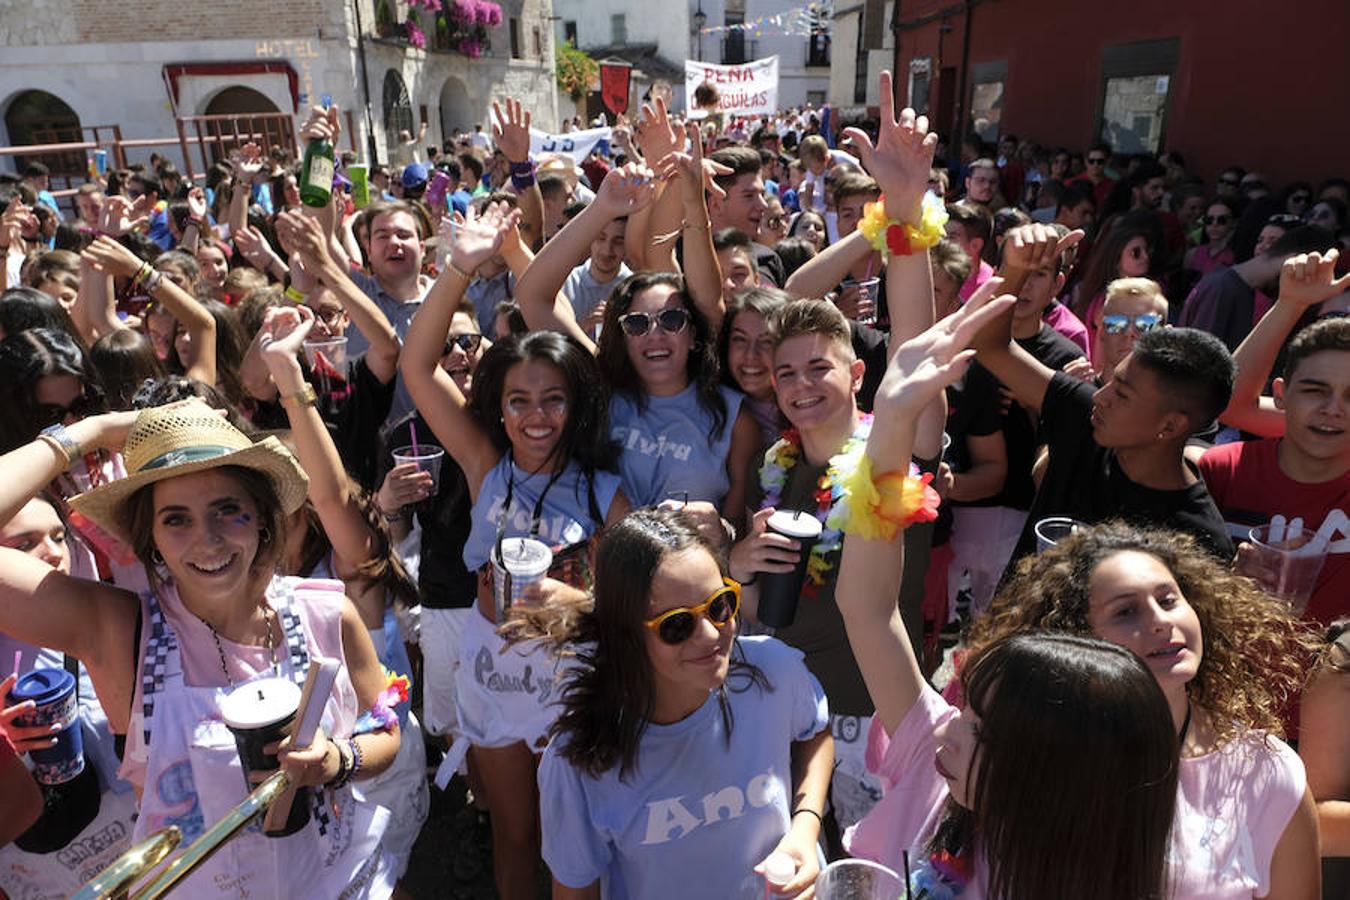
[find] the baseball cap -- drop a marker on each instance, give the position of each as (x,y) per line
(414,175)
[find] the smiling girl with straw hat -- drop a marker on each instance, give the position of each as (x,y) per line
(203,508)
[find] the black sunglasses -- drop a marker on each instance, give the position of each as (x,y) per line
(1216,220)
(53,414)
(468,342)
(672,321)
(1096,160)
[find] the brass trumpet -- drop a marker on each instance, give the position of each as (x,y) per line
(115,882)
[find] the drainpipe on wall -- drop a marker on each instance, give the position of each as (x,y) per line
(371,149)
(962,118)
(895,59)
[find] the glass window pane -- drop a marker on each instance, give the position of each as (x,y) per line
(1133,111)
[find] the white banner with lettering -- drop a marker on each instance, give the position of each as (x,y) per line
(749,89)
(576,144)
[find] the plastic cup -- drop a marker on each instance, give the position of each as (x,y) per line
(1290,559)
(328,360)
(53,690)
(858,879)
(521,562)
(260,713)
(870,290)
(428,458)
(1050,531)
(779,592)
(359,173)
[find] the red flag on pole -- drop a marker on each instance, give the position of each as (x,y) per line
(614,86)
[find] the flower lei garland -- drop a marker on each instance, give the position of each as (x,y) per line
(942,876)
(831,494)
(895,238)
(381,716)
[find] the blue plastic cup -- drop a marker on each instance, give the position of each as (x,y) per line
(53,690)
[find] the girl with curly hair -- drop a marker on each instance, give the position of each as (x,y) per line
(1229,659)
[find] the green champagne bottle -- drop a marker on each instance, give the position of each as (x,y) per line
(316,178)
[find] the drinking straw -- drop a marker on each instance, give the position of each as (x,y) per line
(18,659)
(412,431)
(907,888)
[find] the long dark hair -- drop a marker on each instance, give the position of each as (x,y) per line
(125,359)
(1075,776)
(764,300)
(22,308)
(25,359)
(701,366)
(608,699)
(1104,265)
(585,437)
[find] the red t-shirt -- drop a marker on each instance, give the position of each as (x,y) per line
(1246,482)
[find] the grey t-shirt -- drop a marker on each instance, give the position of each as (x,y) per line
(585,293)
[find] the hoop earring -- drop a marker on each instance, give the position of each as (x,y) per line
(156,557)
(265,535)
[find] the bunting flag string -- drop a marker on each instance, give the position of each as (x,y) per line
(803,21)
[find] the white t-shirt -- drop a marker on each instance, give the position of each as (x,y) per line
(697,805)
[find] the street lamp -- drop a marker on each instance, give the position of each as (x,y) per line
(700,19)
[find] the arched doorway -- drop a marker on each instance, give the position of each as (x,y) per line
(37,117)
(239,99)
(456,108)
(398,113)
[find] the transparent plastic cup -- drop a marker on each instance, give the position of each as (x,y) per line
(1289,559)
(1050,531)
(858,879)
(521,563)
(327,360)
(428,458)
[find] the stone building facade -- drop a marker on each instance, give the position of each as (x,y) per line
(140,64)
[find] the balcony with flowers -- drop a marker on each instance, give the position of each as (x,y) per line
(455,26)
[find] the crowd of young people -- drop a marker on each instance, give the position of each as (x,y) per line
(637,360)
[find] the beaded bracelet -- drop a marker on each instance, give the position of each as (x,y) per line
(894,238)
(356,758)
(881,507)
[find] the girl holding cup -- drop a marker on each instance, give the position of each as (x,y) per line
(535,450)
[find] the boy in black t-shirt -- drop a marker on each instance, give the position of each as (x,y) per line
(1115,451)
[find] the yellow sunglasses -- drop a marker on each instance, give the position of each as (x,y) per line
(675,626)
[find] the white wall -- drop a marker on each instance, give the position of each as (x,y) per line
(663,22)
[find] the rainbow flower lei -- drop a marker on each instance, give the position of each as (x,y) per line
(831,494)
(894,238)
(382,716)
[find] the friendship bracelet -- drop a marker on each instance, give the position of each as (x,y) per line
(356,758)
(344,768)
(895,238)
(295,294)
(152,281)
(881,507)
(141,274)
(809,811)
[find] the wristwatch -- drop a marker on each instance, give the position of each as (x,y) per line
(60,439)
(301,398)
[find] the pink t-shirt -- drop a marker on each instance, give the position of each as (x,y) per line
(1232,807)
(983,272)
(1061,318)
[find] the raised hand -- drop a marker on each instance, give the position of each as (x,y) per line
(196,201)
(626,189)
(111,258)
(404,485)
(1036,246)
(1310,278)
(247,163)
(254,247)
(306,238)
(928,362)
(479,238)
(322,124)
(901,158)
(16,220)
(511,130)
(656,136)
(121,215)
(283,332)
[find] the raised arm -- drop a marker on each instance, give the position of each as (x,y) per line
(511,134)
(870,571)
(653,243)
(307,236)
(823,272)
(623,191)
(112,258)
(440,401)
(1305,281)
(95,309)
(702,271)
(1026,249)
(247,163)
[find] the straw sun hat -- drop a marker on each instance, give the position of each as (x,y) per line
(183,438)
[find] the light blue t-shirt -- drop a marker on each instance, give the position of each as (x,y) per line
(670,446)
(696,806)
(565,517)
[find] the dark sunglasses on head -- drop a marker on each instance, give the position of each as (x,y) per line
(675,626)
(637,324)
(468,342)
(52,414)
(1216,220)
(1143,324)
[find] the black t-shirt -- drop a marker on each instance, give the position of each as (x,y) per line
(873,348)
(442,578)
(354,415)
(769,263)
(1085,482)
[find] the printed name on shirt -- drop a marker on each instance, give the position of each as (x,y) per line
(557,530)
(670,819)
(486,674)
(632,439)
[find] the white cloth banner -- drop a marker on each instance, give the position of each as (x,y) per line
(749,89)
(576,144)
